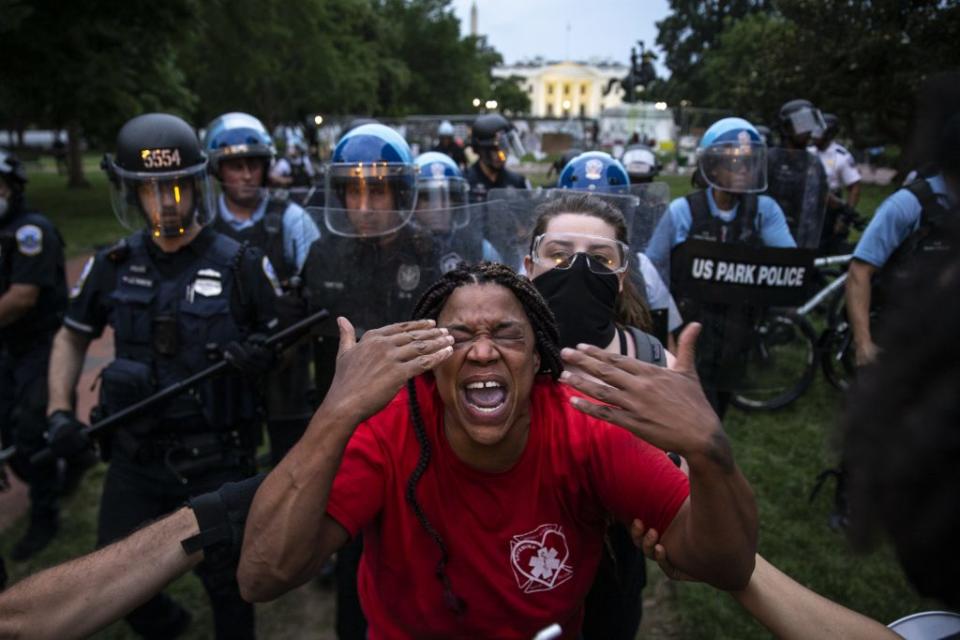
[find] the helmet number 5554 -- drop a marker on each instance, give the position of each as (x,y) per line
(160,158)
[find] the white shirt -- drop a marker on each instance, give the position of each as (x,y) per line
(840,166)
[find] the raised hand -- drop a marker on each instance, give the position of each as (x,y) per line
(665,407)
(370,372)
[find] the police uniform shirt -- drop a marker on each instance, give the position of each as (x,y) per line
(34,256)
(675,225)
(252,303)
(284,167)
(480,184)
(896,218)
(299,229)
(839,165)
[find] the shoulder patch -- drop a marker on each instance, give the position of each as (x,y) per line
(271,275)
(78,287)
(119,251)
(30,240)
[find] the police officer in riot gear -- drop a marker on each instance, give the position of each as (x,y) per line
(447,145)
(178,295)
(917,223)
(492,137)
(732,160)
(642,163)
(795,176)
(33,297)
(842,176)
(241,152)
(370,265)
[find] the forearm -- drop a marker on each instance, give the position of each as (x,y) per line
(791,611)
(284,541)
(16,302)
(76,599)
(858,294)
(853,195)
(66,363)
(720,534)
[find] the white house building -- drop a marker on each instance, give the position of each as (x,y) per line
(567,89)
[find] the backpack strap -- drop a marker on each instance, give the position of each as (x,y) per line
(649,349)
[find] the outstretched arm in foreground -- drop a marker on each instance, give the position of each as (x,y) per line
(785,607)
(714,535)
(289,535)
(75,599)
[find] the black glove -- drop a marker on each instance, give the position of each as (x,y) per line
(221,516)
(291,309)
(66,435)
(252,356)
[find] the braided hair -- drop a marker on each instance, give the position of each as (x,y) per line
(548,346)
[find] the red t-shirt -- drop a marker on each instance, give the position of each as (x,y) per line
(523,544)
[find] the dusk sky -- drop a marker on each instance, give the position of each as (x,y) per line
(521,29)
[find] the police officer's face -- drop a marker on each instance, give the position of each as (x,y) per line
(242,179)
(166,203)
(370,206)
(485,385)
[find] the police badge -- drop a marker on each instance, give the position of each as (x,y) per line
(408,277)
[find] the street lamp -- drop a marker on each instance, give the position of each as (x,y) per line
(476,102)
(660,106)
(318,119)
(491,104)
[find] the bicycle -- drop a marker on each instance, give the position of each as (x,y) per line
(786,350)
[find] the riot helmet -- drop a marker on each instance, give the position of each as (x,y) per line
(732,157)
(159,175)
(441,191)
(238,147)
(831,127)
(371,183)
(595,171)
(445,130)
(14,176)
(641,163)
(493,137)
(799,122)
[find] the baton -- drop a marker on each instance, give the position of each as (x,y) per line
(112,421)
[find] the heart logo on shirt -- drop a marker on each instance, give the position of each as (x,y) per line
(540,558)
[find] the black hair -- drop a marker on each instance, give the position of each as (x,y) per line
(547,337)
(901,433)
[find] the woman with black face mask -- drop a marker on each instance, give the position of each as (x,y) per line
(578,260)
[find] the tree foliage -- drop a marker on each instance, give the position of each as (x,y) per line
(860,59)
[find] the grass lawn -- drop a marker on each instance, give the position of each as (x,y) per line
(780,453)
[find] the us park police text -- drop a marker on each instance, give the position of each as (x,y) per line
(749,274)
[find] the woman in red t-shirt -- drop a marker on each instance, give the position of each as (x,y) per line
(483,487)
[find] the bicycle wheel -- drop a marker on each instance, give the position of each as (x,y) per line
(781,364)
(837,354)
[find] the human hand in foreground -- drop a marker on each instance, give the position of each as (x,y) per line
(648,540)
(370,372)
(664,406)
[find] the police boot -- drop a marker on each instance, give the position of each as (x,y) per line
(41,532)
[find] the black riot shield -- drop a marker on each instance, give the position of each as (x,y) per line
(797,181)
(734,289)
(370,267)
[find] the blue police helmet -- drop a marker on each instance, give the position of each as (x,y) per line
(237,135)
(372,143)
(729,130)
(595,171)
(435,165)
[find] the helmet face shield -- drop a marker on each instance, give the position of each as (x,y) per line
(500,147)
(806,121)
(737,167)
(369,199)
(168,202)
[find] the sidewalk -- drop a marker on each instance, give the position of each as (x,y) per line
(13,503)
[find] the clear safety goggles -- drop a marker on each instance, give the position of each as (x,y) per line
(555,250)
(737,167)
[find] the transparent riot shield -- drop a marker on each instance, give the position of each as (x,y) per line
(797,181)
(724,277)
(458,232)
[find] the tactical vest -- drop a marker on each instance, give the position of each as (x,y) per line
(167,329)
(46,316)
(266,234)
(299,174)
(721,349)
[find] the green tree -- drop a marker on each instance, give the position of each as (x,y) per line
(89,66)
(509,94)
